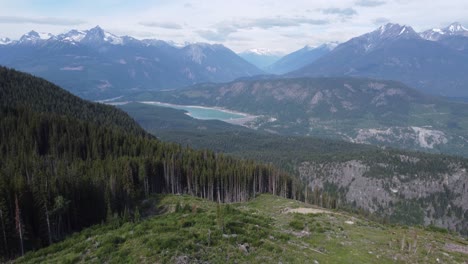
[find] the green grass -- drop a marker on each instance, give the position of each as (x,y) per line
(201,231)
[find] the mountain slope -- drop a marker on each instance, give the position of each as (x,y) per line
(397,53)
(20,90)
(300,58)
(96,64)
(403,187)
(62,170)
(352,109)
(264,230)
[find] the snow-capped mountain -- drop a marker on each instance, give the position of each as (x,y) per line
(389,32)
(261,57)
(97,64)
(5,41)
(300,58)
(74,36)
(454,36)
(98,36)
(262,51)
(454,29)
(34,37)
(396,52)
(95,35)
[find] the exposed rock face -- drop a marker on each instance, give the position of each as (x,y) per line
(435,198)
(359,110)
(416,136)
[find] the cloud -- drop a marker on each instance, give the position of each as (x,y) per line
(40,20)
(267,23)
(220,34)
(225,29)
(380,21)
(370,3)
(344,12)
(166,25)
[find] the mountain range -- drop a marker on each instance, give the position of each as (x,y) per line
(60,154)
(386,113)
(300,58)
(427,61)
(96,64)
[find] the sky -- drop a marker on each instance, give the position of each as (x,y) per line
(278,25)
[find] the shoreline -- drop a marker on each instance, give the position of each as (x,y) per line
(245,117)
(198,106)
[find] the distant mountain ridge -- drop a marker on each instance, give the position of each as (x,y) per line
(396,52)
(96,64)
(454,29)
(360,110)
(300,58)
(454,36)
(262,58)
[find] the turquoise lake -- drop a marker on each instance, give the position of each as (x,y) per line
(205,113)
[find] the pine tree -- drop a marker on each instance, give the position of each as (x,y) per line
(19,225)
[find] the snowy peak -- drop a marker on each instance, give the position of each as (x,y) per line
(454,29)
(112,39)
(93,36)
(394,31)
(383,35)
(325,46)
(74,36)
(262,52)
(34,37)
(5,41)
(97,35)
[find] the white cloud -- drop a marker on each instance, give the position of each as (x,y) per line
(166,25)
(240,25)
(40,20)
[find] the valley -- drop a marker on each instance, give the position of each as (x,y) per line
(358,110)
(398,186)
(259,132)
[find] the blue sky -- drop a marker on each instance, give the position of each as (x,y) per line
(278,25)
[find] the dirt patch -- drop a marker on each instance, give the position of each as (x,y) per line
(457,248)
(304,210)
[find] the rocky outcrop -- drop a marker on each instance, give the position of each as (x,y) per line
(398,193)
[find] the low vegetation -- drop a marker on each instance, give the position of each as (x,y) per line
(186,229)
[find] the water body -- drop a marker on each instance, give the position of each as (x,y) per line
(205,113)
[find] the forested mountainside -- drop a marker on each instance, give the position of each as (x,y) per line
(385,113)
(60,173)
(21,90)
(399,186)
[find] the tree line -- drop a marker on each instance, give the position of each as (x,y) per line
(59,175)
